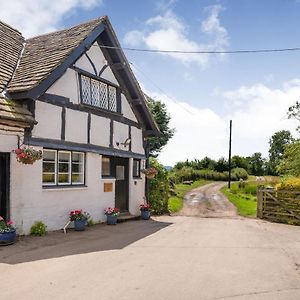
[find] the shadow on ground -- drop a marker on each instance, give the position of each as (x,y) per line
(100,237)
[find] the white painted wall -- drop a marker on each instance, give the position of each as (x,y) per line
(48,117)
(121,133)
(67,86)
(137,140)
(76,126)
(30,202)
(100,131)
(126,109)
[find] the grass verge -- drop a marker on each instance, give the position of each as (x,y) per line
(175,202)
(244,199)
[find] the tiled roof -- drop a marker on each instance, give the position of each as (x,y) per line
(11,44)
(12,113)
(42,54)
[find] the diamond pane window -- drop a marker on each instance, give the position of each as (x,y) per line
(97,93)
(86,89)
(112,95)
(103,95)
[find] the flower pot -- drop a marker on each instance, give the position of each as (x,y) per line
(80,225)
(145,214)
(111,219)
(8,238)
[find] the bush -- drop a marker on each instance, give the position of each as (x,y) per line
(38,228)
(289,184)
(239,173)
(159,189)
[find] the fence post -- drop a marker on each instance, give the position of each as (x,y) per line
(259,211)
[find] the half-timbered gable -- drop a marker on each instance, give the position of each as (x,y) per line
(73,96)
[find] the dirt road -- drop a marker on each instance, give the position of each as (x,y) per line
(207,201)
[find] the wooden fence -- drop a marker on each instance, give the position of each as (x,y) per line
(279,206)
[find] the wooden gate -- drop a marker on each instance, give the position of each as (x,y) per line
(279,206)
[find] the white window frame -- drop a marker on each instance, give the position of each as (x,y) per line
(83,167)
(55,169)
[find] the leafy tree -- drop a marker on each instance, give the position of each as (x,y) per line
(162,118)
(290,163)
(207,163)
(277,143)
(221,165)
(257,164)
(294,112)
(240,162)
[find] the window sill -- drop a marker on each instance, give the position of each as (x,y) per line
(137,178)
(64,187)
(108,178)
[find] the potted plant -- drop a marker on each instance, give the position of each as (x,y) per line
(79,218)
(7,232)
(111,215)
(28,155)
(145,211)
(150,172)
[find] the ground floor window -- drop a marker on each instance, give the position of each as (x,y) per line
(63,167)
(106,170)
(136,168)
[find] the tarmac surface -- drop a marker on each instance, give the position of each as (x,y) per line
(164,258)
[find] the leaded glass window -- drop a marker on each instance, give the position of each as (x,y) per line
(99,94)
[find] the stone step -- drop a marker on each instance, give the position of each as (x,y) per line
(123,217)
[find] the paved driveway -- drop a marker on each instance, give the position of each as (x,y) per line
(166,258)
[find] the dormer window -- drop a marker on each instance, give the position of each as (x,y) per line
(98,93)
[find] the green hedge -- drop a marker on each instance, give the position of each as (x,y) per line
(159,189)
(188,173)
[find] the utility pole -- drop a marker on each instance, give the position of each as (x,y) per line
(229,159)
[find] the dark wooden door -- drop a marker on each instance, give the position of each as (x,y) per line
(121,173)
(4,185)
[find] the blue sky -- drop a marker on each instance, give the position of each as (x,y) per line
(202,92)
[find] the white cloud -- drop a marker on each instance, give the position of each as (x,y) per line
(168,32)
(260,112)
(33,17)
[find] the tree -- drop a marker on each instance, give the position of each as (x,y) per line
(240,162)
(290,163)
(162,118)
(277,143)
(222,165)
(294,112)
(257,164)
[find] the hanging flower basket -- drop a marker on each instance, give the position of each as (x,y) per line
(150,172)
(27,155)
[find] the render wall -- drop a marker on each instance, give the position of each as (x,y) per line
(30,202)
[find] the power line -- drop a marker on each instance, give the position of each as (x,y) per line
(204,52)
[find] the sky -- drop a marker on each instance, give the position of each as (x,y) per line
(202,92)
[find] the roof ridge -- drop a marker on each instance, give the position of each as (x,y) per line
(12,28)
(100,19)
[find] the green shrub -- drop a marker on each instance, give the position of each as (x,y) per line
(38,228)
(289,184)
(239,173)
(90,222)
(159,189)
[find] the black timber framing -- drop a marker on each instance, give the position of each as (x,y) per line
(89,120)
(65,102)
(71,146)
(91,62)
(123,73)
(63,123)
(111,134)
(61,69)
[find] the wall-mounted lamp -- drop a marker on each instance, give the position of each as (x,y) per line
(125,143)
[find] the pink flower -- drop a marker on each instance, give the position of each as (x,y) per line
(10,222)
(1,219)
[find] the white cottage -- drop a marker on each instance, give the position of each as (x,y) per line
(78,102)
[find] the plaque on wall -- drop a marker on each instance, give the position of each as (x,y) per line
(108,187)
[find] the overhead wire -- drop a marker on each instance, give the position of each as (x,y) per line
(247,51)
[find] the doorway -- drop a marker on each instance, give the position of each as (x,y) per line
(120,171)
(4,185)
